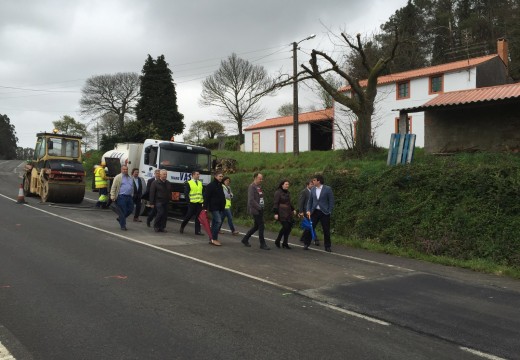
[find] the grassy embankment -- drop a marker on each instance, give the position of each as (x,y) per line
(461,210)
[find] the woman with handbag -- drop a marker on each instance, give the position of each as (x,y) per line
(283,212)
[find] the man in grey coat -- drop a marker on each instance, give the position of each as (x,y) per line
(319,208)
(255,207)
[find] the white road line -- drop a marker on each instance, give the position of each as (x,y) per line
(333,253)
(280,286)
(352,313)
(481,354)
(5,354)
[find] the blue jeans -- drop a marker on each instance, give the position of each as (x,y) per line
(227,214)
(216,221)
(125,203)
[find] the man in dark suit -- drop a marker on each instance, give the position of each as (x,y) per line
(303,199)
(139,189)
(153,210)
(319,208)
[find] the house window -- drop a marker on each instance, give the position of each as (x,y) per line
(396,125)
(403,90)
(280,141)
(436,84)
(256,142)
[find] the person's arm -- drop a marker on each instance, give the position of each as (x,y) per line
(187,191)
(276,203)
(310,203)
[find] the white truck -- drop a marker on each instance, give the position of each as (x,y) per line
(179,159)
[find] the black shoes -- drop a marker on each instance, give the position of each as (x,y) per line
(181,230)
(199,233)
(277,243)
(264,246)
(245,242)
(327,249)
(305,247)
(286,246)
(316,242)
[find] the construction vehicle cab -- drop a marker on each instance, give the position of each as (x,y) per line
(55,173)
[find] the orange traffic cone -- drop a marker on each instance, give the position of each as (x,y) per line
(21,198)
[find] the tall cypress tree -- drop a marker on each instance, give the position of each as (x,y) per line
(157,108)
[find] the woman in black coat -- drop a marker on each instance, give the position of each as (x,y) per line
(283,212)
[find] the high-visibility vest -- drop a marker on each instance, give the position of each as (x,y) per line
(195,191)
(103,198)
(227,193)
(99,178)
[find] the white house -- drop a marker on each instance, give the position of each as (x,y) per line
(413,88)
(405,90)
(276,134)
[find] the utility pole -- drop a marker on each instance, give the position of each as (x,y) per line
(296,138)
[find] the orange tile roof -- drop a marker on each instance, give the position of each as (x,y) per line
(427,71)
(307,117)
(479,95)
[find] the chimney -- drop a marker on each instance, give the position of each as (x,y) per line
(503,51)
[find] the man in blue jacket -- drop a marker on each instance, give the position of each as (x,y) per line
(319,208)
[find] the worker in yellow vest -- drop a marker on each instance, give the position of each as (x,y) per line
(226,182)
(193,194)
(101,182)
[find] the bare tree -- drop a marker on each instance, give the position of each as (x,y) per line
(111,94)
(236,88)
(360,96)
(360,99)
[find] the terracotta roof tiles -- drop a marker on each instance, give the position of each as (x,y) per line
(428,71)
(307,117)
(479,95)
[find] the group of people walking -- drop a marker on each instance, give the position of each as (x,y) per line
(315,202)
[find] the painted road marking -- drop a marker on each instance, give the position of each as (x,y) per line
(264,281)
(481,354)
(5,354)
(207,263)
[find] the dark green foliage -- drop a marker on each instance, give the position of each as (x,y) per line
(232,144)
(439,31)
(157,108)
(464,207)
(8,139)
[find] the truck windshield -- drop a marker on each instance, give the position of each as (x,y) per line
(183,160)
(63,147)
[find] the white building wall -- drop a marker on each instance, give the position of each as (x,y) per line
(268,138)
(383,121)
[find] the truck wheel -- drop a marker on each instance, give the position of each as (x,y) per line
(27,187)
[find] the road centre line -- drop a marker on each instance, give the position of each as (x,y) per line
(207,263)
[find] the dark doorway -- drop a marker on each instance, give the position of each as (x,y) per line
(321,135)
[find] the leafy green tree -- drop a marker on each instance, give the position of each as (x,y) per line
(196,133)
(68,125)
(8,139)
(157,107)
(287,109)
(213,129)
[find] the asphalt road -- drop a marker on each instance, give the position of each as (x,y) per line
(74,286)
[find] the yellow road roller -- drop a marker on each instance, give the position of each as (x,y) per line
(55,173)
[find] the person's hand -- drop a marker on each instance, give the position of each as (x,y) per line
(276,216)
(309,214)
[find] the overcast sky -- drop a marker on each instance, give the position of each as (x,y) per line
(49,48)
